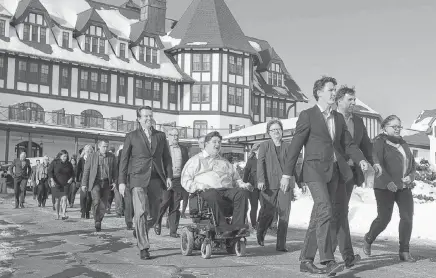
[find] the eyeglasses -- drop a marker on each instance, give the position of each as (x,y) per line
(396,127)
(275,130)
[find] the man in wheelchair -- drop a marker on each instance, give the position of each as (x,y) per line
(218,183)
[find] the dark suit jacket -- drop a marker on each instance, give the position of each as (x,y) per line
(269,170)
(18,171)
(138,158)
(312,133)
(361,139)
(91,167)
(250,171)
(185,155)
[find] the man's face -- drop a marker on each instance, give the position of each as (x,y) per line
(22,156)
(327,94)
(146,118)
(103,147)
(213,147)
(38,162)
(347,103)
(201,143)
(173,137)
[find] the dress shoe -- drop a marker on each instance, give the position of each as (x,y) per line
(260,239)
(87,215)
(157,229)
(82,215)
(129,226)
(39,204)
(406,257)
(176,235)
(21,205)
(282,249)
(97,226)
(43,204)
(310,268)
(144,254)
(366,248)
(352,260)
(333,268)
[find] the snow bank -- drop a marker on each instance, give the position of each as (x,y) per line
(363,210)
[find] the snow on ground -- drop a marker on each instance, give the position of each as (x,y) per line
(363,210)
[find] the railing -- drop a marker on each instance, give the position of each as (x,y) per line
(12,114)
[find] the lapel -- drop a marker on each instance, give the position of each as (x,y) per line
(323,122)
(143,138)
(357,128)
(336,123)
(153,140)
(275,158)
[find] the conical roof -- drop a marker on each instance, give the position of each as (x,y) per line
(210,24)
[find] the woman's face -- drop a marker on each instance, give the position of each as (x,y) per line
(64,157)
(73,161)
(393,128)
(275,131)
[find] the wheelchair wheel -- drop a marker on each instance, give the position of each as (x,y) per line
(186,242)
(206,250)
(240,248)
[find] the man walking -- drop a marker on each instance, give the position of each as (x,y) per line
(42,181)
(324,134)
(146,167)
(346,100)
(33,179)
(99,177)
(20,170)
(171,198)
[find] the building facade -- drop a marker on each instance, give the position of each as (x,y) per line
(72,72)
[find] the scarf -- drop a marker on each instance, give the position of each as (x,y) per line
(393,139)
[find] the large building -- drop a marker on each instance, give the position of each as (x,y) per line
(74,71)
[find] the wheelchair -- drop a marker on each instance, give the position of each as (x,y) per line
(204,235)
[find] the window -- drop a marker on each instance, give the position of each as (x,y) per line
(235,65)
(268,108)
(44,74)
(103,82)
(154,54)
(43,35)
(138,89)
(84,80)
(239,97)
(147,89)
(102,46)
(201,62)
(141,54)
(2,66)
(148,55)
(123,50)
(173,94)
(200,128)
(66,39)
(94,48)
(415,153)
(34,34)
(33,73)
(282,112)
(275,76)
(269,78)
(94,81)
(274,109)
(279,82)
(26,32)
(122,86)
(22,68)
(148,46)
(256,108)
(156,90)
(65,79)
(2,27)
(232,95)
(274,79)
(88,44)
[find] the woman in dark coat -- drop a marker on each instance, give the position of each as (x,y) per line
(394,185)
(61,174)
(74,186)
(250,175)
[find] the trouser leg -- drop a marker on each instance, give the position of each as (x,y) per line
(284,209)
(404,200)
(385,204)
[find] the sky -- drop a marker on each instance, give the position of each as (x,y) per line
(385,48)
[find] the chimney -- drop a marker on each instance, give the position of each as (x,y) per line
(154,12)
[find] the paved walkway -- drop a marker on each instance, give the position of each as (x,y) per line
(45,247)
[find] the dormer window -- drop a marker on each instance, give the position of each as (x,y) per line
(122,50)
(2,27)
(65,39)
(35,28)
(95,40)
(275,75)
(148,50)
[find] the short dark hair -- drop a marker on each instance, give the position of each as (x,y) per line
(212,134)
(389,119)
(103,141)
(61,153)
(140,108)
(320,83)
(344,90)
(272,122)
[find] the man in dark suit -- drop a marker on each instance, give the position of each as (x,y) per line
(147,169)
(99,178)
(20,170)
(346,100)
(171,198)
(327,141)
